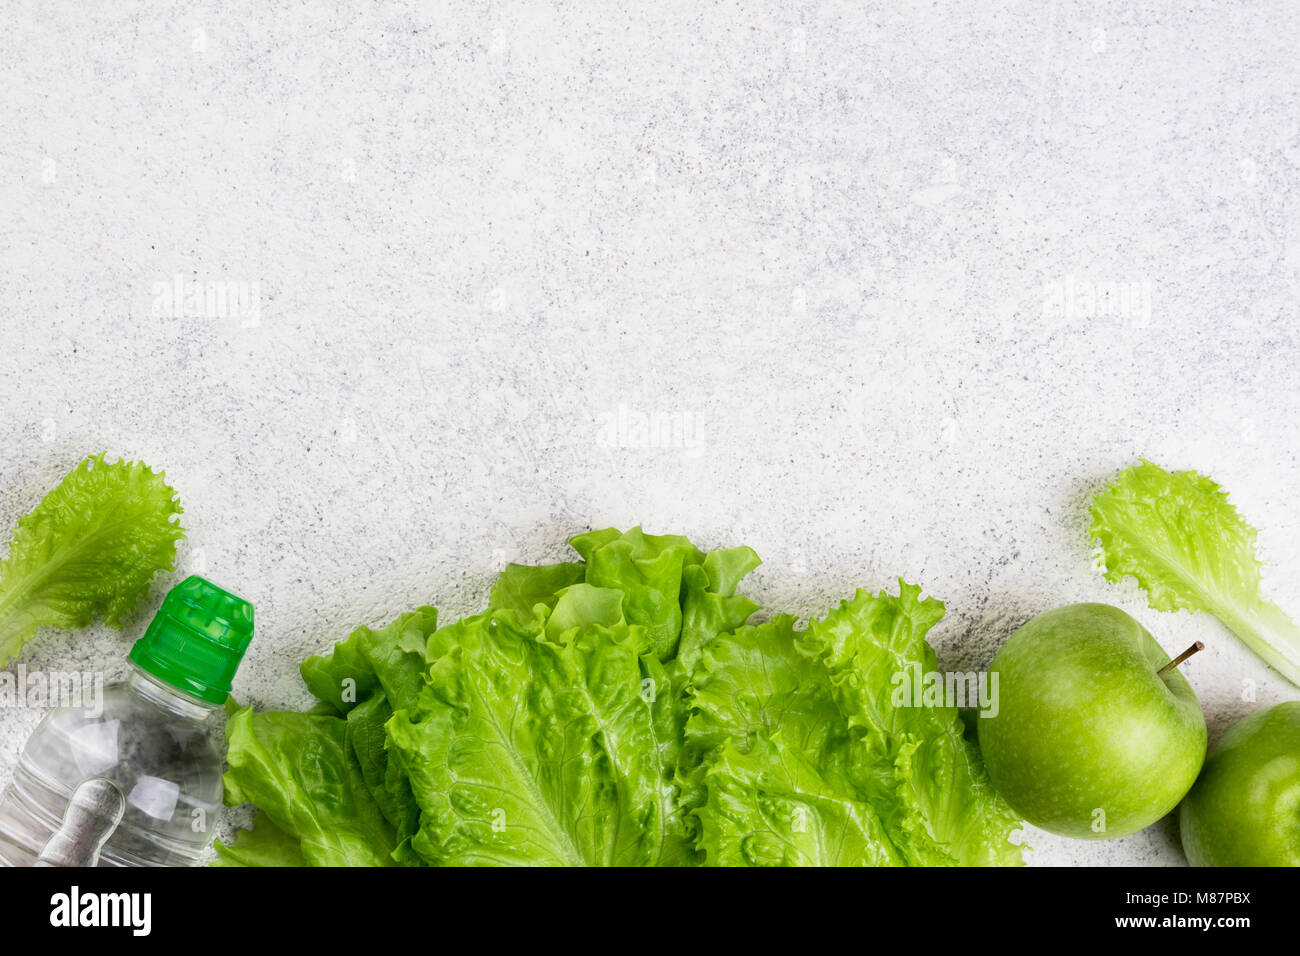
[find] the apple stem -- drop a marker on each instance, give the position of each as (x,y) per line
(1198,646)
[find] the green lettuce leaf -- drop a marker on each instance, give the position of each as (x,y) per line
(801,757)
(685,598)
(648,570)
(388,662)
(90,547)
(776,773)
(1189,549)
(358,685)
(914,762)
(521,587)
(710,604)
(302,772)
(367,736)
(536,745)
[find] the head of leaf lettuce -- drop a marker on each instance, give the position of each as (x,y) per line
(620,710)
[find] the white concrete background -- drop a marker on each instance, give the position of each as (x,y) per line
(820,239)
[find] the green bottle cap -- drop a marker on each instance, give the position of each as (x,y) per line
(196,639)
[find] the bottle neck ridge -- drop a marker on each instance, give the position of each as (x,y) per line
(166,697)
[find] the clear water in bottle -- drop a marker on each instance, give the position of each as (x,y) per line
(137,780)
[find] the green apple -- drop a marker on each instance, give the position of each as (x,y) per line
(1245,807)
(1094,735)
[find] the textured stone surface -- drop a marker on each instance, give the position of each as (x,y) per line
(843,256)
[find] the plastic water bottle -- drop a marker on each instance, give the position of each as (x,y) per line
(135,779)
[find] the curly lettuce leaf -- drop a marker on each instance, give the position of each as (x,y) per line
(302,772)
(710,604)
(537,746)
(648,570)
(1189,549)
(798,755)
(384,779)
(703,605)
(90,547)
(776,774)
(915,763)
(677,592)
(388,662)
(521,587)
(358,685)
